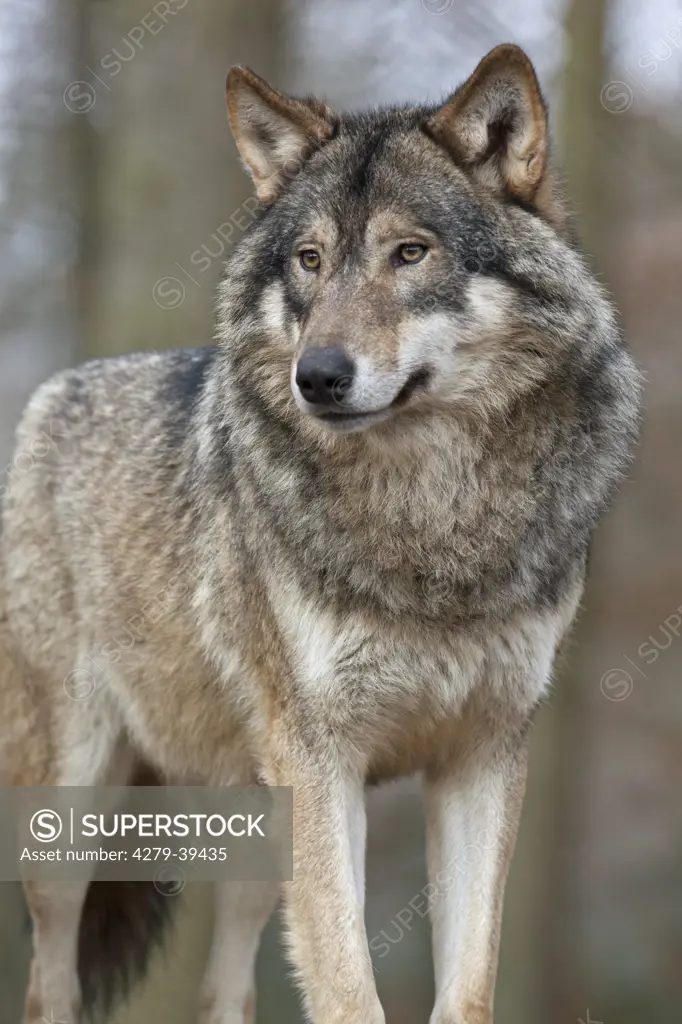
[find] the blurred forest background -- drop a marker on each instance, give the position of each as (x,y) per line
(118,178)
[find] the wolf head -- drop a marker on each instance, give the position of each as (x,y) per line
(406,260)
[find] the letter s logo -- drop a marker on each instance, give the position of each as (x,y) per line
(46,826)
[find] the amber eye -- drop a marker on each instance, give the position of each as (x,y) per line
(310,259)
(412,252)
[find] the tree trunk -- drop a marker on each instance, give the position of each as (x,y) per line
(581,139)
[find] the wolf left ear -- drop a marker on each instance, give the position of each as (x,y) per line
(495,125)
(274,133)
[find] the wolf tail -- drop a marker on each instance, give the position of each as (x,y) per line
(122,923)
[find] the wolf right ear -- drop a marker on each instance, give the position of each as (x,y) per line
(495,126)
(274,133)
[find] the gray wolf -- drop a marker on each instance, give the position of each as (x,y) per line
(368,506)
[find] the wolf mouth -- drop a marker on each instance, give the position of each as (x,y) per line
(415,382)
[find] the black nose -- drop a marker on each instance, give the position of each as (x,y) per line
(324,375)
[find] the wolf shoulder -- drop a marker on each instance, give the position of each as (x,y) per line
(112,408)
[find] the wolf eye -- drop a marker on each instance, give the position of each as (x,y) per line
(412,252)
(310,259)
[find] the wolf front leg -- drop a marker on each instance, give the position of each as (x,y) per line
(473,802)
(325,901)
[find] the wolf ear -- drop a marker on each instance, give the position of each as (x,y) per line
(495,125)
(274,133)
